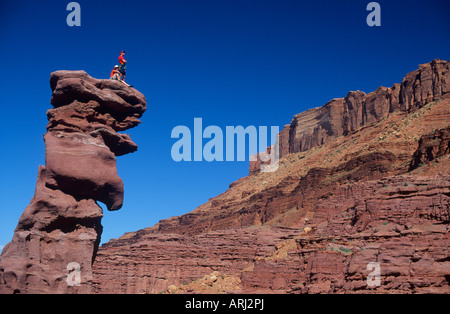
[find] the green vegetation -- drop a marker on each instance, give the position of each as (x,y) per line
(345,250)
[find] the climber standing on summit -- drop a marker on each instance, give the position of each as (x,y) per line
(123,65)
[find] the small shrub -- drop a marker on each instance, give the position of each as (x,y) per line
(344,249)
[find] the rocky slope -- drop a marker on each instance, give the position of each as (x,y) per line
(149,263)
(399,222)
(59,232)
(363,179)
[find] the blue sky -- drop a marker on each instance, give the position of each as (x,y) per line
(230,62)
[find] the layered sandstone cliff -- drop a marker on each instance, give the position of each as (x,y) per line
(377,192)
(341,116)
(59,232)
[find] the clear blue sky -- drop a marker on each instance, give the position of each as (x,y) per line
(230,62)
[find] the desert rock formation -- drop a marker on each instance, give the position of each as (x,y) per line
(362,181)
(59,232)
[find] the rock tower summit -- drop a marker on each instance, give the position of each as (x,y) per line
(62,224)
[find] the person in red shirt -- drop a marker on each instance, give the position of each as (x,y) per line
(123,65)
(115,75)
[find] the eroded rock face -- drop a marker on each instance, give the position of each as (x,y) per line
(62,224)
(399,222)
(431,147)
(153,262)
(341,116)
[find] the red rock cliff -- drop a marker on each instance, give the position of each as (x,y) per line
(379,194)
